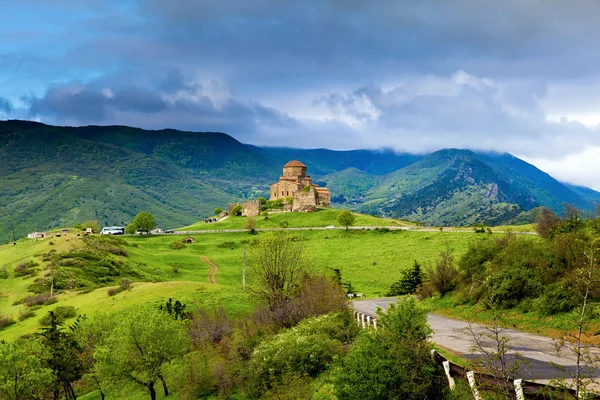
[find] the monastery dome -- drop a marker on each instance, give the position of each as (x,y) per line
(294,163)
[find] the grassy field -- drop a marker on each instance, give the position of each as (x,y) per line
(321,218)
(370,260)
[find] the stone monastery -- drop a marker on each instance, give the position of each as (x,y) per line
(296,184)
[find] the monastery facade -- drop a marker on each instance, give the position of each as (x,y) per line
(296,184)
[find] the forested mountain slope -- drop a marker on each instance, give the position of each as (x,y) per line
(58,176)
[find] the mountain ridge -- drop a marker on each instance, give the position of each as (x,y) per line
(62,175)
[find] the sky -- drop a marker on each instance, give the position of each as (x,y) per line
(517,76)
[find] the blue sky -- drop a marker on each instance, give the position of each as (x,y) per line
(519,76)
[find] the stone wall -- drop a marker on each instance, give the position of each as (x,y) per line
(230,207)
(305,202)
(283,189)
(251,208)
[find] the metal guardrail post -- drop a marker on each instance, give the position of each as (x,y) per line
(519,389)
(473,385)
(451,382)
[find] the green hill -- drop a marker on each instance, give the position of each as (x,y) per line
(59,176)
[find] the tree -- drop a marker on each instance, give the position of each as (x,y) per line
(130,229)
(250,225)
(93,224)
(62,357)
(409,283)
(144,222)
(236,210)
(144,340)
(90,334)
(443,276)
(393,362)
(217,211)
(277,264)
(346,218)
(22,373)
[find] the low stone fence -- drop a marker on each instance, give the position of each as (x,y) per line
(481,383)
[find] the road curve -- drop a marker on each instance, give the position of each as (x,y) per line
(539,351)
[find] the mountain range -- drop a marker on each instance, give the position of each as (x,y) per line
(57,176)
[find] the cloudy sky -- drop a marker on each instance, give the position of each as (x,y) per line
(521,76)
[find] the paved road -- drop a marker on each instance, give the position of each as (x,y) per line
(540,351)
(356,228)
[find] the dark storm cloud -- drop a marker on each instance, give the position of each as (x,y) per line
(413,75)
(176,104)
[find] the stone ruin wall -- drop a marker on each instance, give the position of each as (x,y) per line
(305,202)
(251,208)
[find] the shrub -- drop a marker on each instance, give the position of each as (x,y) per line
(3,273)
(443,276)
(51,243)
(284,224)
(210,327)
(5,321)
(61,314)
(410,281)
(177,245)
(26,313)
(175,269)
(393,362)
(113,291)
(305,350)
(236,210)
(38,299)
(125,284)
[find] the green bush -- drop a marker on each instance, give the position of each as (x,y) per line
(559,297)
(61,313)
(511,285)
(236,210)
(6,321)
(3,273)
(393,362)
(176,245)
(26,313)
(305,350)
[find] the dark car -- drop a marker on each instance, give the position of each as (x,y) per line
(169,231)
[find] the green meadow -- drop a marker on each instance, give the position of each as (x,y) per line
(369,259)
(321,218)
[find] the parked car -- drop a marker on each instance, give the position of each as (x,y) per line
(169,231)
(330,227)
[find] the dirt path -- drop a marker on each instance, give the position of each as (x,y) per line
(213,269)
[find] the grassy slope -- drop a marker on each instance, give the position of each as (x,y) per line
(370,260)
(322,218)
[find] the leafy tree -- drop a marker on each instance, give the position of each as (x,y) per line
(236,210)
(277,264)
(346,218)
(411,279)
(93,224)
(393,362)
(144,222)
(217,211)
(90,334)
(262,200)
(130,229)
(62,357)
(22,373)
(144,340)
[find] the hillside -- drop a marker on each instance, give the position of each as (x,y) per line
(461,187)
(60,176)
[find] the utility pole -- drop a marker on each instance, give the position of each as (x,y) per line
(244,271)
(14,239)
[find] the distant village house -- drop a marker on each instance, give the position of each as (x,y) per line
(37,235)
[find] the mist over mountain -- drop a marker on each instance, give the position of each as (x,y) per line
(58,176)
